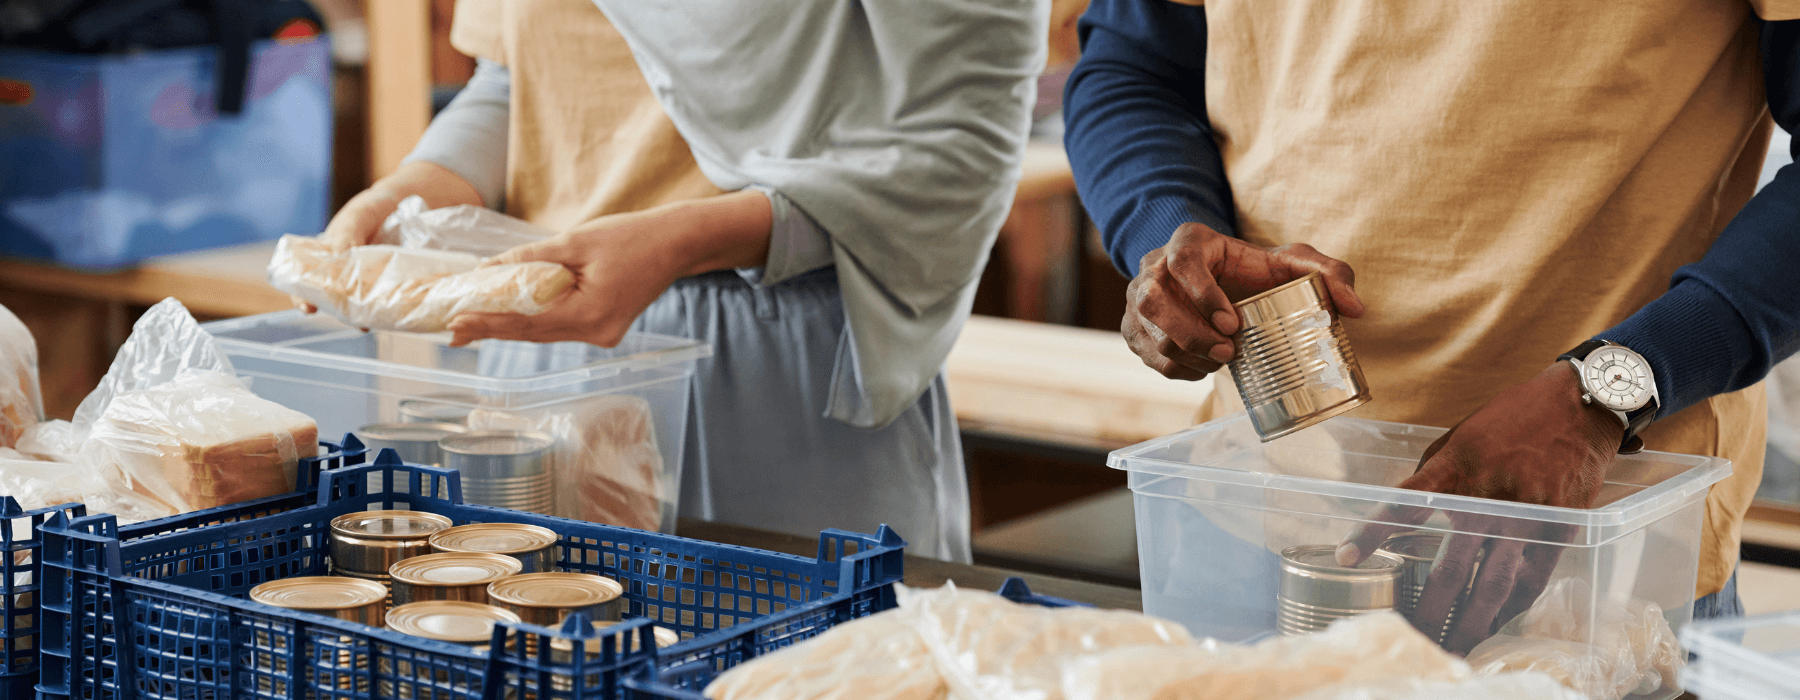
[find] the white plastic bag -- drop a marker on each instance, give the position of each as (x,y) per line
(879,657)
(1608,652)
(431,276)
(605,460)
(21,402)
(1526,685)
(1364,649)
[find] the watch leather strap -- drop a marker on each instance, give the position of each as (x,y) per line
(1635,421)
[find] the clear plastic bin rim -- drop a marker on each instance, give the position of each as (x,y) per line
(1732,645)
(666,351)
(1642,508)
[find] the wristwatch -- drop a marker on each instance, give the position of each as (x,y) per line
(1620,381)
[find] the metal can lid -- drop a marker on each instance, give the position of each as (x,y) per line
(448,620)
(319,593)
(555,589)
(389,524)
(409,432)
(495,442)
(1414,546)
(1322,558)
(454,568)
(498,538)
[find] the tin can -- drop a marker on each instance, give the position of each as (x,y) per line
(415,443)
(545,599)
(367,544)
(1294,367)
(533,546)
(504,469)
(439,408)
(345,598)
(459,576)
(1419,550)
(456,621)
(1315,590)
(562,651)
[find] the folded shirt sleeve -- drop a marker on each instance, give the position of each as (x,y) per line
(1728,318)
(1136,129)
(469,135)
(797,245)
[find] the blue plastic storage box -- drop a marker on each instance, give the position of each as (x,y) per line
(159,609)
(109,159)
(683,672)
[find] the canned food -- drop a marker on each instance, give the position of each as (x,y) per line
(1315,590)
(439,408)
(462,576)
(545,599)
(344,598)
(456,621)
(562,651)
(504,469)
(1419,550)
(1294,367)
(533,546)
(415,443)
(367,544)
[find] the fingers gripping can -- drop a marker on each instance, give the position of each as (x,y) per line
(1316,591)
(1293,366)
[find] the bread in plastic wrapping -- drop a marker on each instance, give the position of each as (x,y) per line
(1361,649)
(464,227)
(605,459)
(201,441)
(1612,651)
(1526,685)
(389,287)
(880,657)
(21,401)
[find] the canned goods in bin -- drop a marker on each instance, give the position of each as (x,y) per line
(415,443)
(461,576)
(1418,550)
(1315,590)
(366,544)
(503,469)
(455,621)
(439,408)
(1294,367)
(533,546)
(545,599)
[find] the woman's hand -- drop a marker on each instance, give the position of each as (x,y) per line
(623,262)
(359,221)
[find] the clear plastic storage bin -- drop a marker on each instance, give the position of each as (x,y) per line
(1752,658)
(619,413)
(1216,507)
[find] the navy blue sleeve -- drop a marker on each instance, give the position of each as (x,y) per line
(1136,129)
(1727,319)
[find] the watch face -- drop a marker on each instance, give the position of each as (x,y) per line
(1617,378)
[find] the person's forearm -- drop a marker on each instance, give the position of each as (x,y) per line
(1137,133)
(1727,319)
(437,185)
(703,235)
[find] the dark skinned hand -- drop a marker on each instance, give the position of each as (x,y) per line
(1178,310)
(1534,443)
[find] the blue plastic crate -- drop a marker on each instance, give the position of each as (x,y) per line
(683,671)
(159,609)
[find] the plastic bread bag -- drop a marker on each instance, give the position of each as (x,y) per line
(879,657)
(36,483)
(21,402)
(990,648)
(1367,648)
(1503,686)
(464,227)
(1617,649)
(424,270)
(171,429)
(605,460)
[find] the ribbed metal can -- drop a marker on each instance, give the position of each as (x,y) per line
(453,621)
(504,469)
(545,599)
(366,544)
(562,651)
(1419,550)
(1315,591)
(1294,367)
(533,546)
(415,443)
(461,576)
(342,597)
